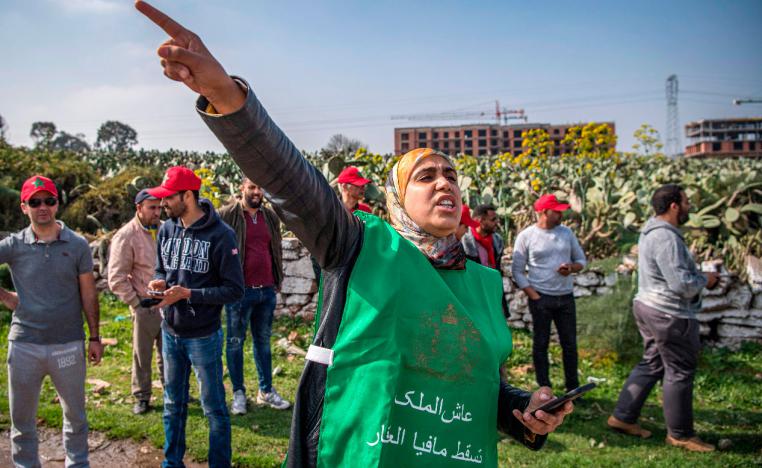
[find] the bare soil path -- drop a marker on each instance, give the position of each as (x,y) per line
(104,452)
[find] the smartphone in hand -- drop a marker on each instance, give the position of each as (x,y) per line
(557,403)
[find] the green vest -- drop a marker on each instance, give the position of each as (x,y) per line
(414,376)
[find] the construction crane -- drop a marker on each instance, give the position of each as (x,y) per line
(501,115)
(738,102)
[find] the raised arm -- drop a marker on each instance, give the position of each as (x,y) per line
(300,195)
(298,192)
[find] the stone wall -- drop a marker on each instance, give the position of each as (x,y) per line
(100,249)
(732,312)
(298,296)
(591,282)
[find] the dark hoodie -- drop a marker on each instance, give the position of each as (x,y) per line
(204,259)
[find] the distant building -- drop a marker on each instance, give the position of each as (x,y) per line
(724,138)
(477,139)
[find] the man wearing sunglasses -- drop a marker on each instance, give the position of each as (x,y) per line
(52,270)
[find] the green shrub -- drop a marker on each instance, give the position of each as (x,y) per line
(110,204)
(5,277)
(68,170)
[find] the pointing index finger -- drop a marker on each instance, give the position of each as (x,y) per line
(170,26)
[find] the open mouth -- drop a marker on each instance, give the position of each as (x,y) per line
(446,204)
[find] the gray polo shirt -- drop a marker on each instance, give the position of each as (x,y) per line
(46,278)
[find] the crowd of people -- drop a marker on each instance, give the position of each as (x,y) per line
(404,367)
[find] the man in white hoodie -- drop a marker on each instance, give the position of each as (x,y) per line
(665,307)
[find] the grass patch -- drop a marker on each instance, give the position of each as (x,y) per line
(727,398)
(605,324)
(607,265)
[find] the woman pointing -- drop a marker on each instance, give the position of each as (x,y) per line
(404,366)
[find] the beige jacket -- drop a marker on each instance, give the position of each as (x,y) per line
(131,262)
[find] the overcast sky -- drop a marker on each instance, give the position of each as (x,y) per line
(346,67)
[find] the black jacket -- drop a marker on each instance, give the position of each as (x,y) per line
(308,207)
(203,258)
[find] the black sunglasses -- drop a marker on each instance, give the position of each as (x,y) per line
(36,202)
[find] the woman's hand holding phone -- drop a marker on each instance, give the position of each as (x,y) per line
(542,423)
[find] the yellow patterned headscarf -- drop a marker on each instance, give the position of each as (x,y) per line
(443,252)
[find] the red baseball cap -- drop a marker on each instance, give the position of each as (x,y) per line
(37,183)
(351,175)
(550,202)
(176,179)
(465,217)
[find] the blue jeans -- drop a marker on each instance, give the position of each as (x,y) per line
(255,310)
(204,356)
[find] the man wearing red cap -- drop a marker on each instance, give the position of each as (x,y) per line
(352,188)
(197,271)
(52,270)
(551,253)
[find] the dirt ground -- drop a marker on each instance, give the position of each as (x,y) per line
(104,452)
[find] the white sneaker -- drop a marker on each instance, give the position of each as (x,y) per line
(239,403)
(272,399)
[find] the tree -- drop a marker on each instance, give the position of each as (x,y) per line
(591,141)
(647,140)
(69,142)
(340,144)
(43,133)
(116,137)
(537,143)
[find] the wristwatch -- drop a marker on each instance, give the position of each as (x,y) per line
(95,338)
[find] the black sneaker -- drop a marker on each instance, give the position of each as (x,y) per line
(141,407)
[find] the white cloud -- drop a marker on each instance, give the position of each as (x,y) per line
(91,6)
